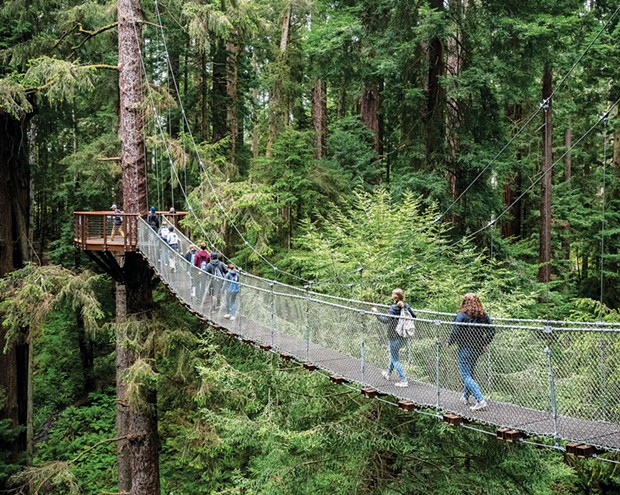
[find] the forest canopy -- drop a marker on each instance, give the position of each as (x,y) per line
(347,146)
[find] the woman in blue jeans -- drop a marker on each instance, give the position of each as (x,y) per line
(395,341)
(472,341)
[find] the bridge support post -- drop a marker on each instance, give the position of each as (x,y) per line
(437,363)
(273,313)
(362,348)
(307,325)
(554,409)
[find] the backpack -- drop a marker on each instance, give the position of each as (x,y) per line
(203,265)
(117,219)
(217,271)
(405,326)
(172,239)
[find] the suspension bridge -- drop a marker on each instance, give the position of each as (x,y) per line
(556,379)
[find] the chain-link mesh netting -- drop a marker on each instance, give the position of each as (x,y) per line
(552,378)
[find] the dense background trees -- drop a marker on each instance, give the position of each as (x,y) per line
(363,143)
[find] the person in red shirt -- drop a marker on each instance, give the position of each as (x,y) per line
(202,256)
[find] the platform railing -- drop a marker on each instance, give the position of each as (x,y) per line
(96,231)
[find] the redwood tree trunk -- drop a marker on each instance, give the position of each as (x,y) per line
(544,256)
(137,275)
(219,96)
(435,98)
(233,50)
(14,235)
(278,114)
(370,105)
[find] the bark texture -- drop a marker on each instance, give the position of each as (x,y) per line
(435,98)
(142,422)
(14,252)
(131,97)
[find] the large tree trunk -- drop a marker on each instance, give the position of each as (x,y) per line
(232,89)
(370,112)
(319,117)
(278,114)
(137,275)
(435,98)
(131,98)
(14,193)
(219,96)
(511,227)
(14,238)
(544,256)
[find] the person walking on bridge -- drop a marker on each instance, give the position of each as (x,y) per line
(395,341)
(117,222)
(231,289)
(218,270)
(152,219)
(202,256)
(472,340)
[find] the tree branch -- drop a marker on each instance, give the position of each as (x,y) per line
(91,34)
(107,440)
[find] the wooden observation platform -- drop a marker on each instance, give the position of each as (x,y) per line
(95,234)
(92,230)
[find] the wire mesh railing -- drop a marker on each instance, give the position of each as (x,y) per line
(542,378)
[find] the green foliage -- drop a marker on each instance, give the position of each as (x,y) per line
(13,99)
(31,293)
(349,146)
(69,436)
(233,422)
(8,433)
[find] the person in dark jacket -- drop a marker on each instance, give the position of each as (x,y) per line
(472,336)
(395,341)
(218,270)
(152,219)
(191,252)
(117,222)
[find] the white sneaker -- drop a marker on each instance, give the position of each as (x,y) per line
(481,404)
(464,400)
(385,375)
(227,316)
(404,383)
(232,318)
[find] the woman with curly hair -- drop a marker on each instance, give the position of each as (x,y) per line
(472,336)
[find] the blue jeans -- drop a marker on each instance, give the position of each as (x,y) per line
(394,346)
(231,303)
(467,359)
